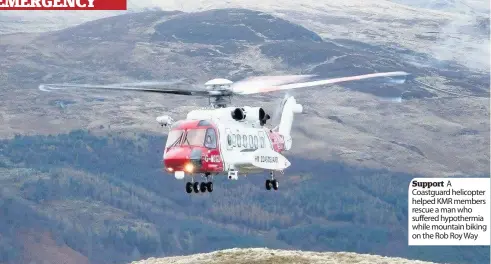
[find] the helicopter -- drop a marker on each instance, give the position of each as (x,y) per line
(230,140)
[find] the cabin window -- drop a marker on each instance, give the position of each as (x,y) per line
(211,139)
(255,142)
(234,140)
(251,142)
(244,139)
(230,141)
(238,141)
(261,139)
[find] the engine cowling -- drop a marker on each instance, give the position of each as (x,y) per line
(238,114)
(252,114)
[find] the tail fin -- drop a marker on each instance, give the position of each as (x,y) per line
(289,108)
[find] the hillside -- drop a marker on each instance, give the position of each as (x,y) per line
(477,6)
(82,197)
(268,256)
(440,128)
(445,29)
(99,195)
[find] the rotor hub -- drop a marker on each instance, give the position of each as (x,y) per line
(219,91)
(219,84)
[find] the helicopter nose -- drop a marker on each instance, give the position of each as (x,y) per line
(176,159)
(183,159)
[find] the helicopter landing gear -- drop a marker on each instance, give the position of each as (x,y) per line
(198,187)
(272,183)
(189,187)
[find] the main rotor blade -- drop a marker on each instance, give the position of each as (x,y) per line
(254,88)
(135,87)
(249,83)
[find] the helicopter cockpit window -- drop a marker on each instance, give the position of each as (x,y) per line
(210,139)
(194,137)
(174,138)
(204,123)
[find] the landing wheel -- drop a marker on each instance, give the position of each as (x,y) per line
(275,184)
(189,187)
(196,187)
(268,185)
(202,187)
(209,186)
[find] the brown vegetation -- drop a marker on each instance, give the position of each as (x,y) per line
(269,256)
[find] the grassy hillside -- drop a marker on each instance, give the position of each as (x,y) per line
(107,199)
(268,256)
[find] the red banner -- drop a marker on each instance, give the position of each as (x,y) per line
(63,4)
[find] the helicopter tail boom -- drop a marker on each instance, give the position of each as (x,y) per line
(290,107)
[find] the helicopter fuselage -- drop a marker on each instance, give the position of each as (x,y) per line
(231,140)
(212,142)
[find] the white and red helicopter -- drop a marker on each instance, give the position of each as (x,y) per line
(230,140)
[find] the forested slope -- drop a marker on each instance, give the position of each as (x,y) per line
(108,199)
